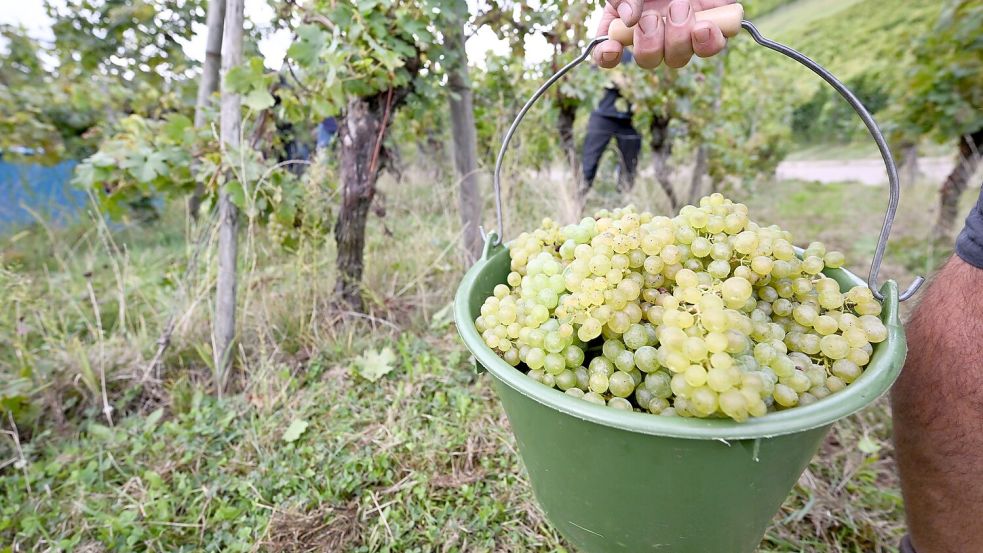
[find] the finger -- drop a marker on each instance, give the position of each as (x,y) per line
(649,40)
(628,10)
(678,41)
(708,40)
(608,53)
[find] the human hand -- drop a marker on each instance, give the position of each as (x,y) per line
(674,39)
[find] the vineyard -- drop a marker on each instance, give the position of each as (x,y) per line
(245,340)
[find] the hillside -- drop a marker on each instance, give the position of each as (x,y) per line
(867,45)
(779,18)
(854,38)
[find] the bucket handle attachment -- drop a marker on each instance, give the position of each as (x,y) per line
(875,132)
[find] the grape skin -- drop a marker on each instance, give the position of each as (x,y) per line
(705,314)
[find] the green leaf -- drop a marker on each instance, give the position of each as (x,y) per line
(322,107)
(417,28)
(236,193)
(259,99)
(293,432)
(152,419)
(286,213)
(101,432)
(240,79)
(154,166)
(389,58)
(229,512)
(176,126)
(373,365)
(310,41)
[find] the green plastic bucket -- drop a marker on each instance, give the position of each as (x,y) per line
(611,480)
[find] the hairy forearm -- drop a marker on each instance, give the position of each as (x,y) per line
(938,414)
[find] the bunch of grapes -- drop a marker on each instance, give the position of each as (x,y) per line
(707,314)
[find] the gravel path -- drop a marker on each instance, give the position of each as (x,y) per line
(866,171)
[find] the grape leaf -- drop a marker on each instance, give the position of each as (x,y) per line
(153,167)
(310,41)
(259,99)
(293,432)
(373,365)
(238,79)
(236,194)
(176,126)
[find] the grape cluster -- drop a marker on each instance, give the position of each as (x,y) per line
(706,314)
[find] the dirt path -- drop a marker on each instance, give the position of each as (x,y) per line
(866,171)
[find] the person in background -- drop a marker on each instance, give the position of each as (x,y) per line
(611,119)
(937,403)
(326,132)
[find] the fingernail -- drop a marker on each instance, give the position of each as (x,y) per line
(609,56)
(625,12)
(649,23)
(701,35)
(679,12)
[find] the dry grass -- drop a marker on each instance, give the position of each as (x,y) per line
(323,530)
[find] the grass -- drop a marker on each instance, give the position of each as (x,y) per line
(848,151)
(416,462)
(420,460)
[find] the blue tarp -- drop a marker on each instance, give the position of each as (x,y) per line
(46,190)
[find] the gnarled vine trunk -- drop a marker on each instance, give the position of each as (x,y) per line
(954,185)
(359,133)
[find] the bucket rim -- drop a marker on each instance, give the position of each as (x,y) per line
(881,372)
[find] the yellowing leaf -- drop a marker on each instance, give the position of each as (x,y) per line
(868,446)
(373,365)
(259,99)
(293,432)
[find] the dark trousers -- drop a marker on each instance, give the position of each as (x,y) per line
(600,130)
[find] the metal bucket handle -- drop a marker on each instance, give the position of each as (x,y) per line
(868,119)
